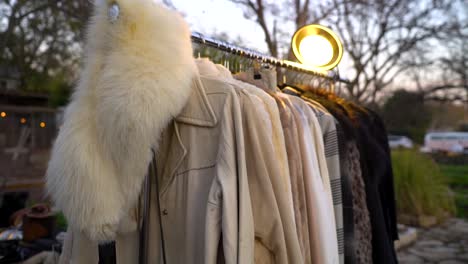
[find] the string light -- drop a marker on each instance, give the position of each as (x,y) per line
(3,114)
(23,120)
(42,124)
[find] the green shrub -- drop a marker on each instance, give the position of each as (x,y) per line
(61,221)
(458,180)
(420,186)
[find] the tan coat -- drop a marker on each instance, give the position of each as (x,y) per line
(205,198)
(267,170)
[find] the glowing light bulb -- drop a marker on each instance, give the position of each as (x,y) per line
(3,114)
(23,120)
(42,124)
(316,50)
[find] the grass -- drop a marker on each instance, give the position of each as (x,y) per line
(421,187)
(457,176)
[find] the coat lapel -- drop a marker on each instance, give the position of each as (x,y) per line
(197,112)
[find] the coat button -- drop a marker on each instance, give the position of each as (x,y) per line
(165,212)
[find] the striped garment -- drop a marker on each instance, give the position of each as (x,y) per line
(330,139)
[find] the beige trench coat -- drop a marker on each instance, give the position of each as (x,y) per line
(205,200)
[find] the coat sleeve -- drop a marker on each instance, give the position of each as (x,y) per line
(246,222)
(229,199)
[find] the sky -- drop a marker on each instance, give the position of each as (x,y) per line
(208,16)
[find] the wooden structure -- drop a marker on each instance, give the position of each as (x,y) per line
(41,122)
(26,122)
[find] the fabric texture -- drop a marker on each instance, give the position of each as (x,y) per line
(282,184)
(129,90)
(380,193)
(345,134)
(362,231)
(347,184)
(267,164)
(330,140)
(322,228)
(291,136)
(204,188)
(269,231)
(270,245)
(375,163)
(381,135)
(370,135)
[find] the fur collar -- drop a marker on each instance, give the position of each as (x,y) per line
(137,76)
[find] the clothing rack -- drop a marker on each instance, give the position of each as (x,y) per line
(255,55)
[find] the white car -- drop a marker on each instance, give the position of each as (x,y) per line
(399,142)
(454,142)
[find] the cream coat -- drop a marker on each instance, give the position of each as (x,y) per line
(204,189)
(205,199)
(267,170)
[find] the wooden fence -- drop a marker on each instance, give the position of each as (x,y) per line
(40,124)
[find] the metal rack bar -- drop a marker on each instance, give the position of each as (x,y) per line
(255,55)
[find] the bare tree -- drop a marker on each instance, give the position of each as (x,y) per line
(452,84)
(445,80)
(378,36)
(275,17)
